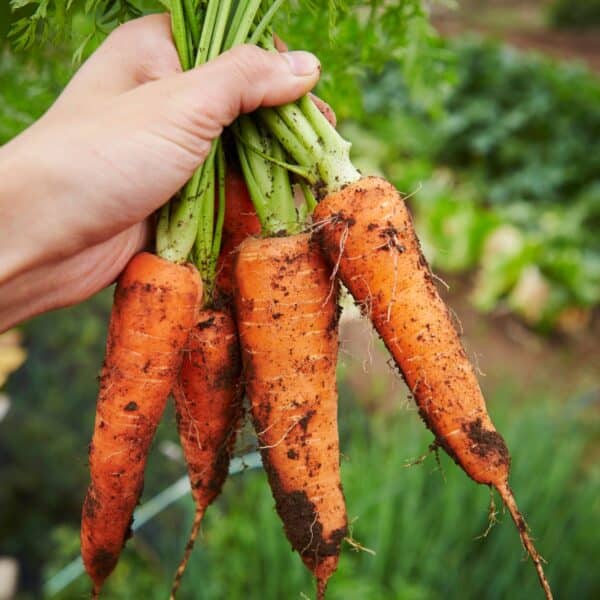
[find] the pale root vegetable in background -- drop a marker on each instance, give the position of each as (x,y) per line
(287,313)
(367,233)
(156,305)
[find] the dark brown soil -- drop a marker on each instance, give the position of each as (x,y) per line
(489,445)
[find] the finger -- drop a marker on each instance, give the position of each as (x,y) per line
(137,52)
(279,43)
(325,109)
(241,80)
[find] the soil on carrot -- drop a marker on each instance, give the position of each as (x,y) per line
(104,562)
(487,444)
(296,510)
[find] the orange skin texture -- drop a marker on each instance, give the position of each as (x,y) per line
(240,222)
(155,306)
(208,402)
(287,317)
(382,265)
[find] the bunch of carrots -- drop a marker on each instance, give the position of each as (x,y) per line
(241,298)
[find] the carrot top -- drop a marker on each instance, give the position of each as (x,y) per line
(189,226)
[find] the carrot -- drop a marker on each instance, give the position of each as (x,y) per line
(287,318)
(240,222)
(367,233)
(155,306)
(208,402)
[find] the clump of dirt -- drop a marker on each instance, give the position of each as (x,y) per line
(301,522)
(487,443)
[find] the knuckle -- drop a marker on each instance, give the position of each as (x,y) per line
(143,32)
(123,32)
(148,45)
(250,60)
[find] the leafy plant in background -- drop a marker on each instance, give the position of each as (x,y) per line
(521,200)
(51,413)
(413,518)
(575,13)
(368,33)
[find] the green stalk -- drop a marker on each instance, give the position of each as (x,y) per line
(204,235)
(295,147)
(242,24)
(309,138)
(219,29)
(291,167)
(264,22)
(313,142)
(192,21)
(262,172)
(268,182)
(208,27)
(309,198)
(189,223)
(261,204)
(283,196)
(221,172)
(180,34)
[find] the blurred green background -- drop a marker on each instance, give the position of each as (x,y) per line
(499,150)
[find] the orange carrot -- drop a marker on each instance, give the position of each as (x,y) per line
(208,402)
(287,320)
(367,233)
(240,222)
(156,304)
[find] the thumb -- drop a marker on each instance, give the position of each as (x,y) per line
(240,81)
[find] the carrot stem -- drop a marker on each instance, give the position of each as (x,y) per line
(192,20)
(180,33)
(268,181)
(511,504)
(265,22)
(275,123)
(309,138)
(242,23)
(218,233)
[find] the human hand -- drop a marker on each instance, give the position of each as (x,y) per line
(130,129)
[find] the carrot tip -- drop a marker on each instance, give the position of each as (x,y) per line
(321,588)
(510,503)
(95,592)
(188,552)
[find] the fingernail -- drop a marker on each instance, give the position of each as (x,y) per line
(302,63)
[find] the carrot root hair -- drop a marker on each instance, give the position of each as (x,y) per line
(511,504)
(189,547)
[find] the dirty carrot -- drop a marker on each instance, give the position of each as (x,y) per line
(287,318)
(367,233)
(155,306)
(208,406)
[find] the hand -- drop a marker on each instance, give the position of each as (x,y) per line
(77,187)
